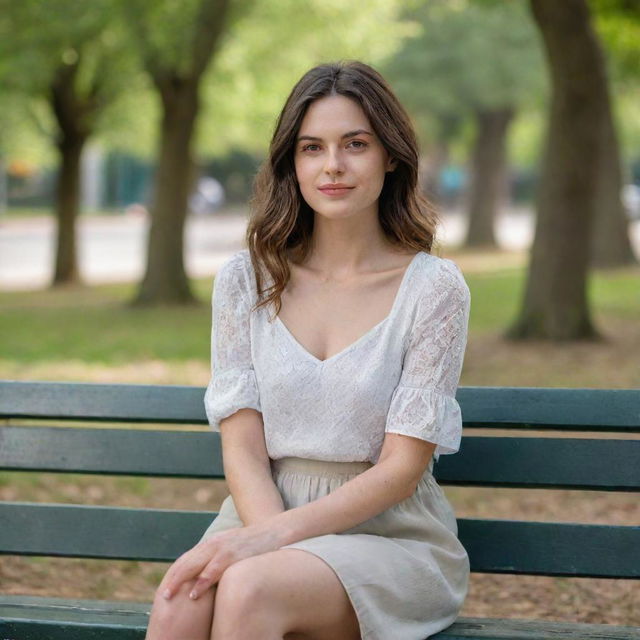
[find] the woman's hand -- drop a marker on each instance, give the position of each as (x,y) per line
(209,559)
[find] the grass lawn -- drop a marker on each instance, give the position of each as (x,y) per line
(89,335)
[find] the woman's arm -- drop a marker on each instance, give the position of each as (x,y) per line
(394,478)
(247,467)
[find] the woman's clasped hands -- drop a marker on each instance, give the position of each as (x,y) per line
(208,560)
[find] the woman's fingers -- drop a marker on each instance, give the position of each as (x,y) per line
(209,576)
(187,567)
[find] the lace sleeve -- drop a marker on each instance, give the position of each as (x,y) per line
(423,405)
(233,383)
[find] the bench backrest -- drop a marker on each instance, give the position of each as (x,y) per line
(495,546)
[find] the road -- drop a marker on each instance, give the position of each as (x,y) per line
(113,248)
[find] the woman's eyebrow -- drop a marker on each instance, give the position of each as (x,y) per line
(349,134)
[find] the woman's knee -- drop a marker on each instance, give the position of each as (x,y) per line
(181,617)
(242,587)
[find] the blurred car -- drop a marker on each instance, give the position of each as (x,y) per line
(207,198)
(631,201)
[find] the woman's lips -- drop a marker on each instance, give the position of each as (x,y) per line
(328,191)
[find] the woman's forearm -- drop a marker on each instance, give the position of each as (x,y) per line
(247,467)
(254,493)
(363,497)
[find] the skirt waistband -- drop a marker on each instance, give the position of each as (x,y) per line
(319,467)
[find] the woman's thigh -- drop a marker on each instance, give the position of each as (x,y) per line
(301,590)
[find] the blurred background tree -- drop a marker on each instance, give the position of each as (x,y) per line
(76,62)
(172,91)
(555,299)
(618,23)
(472,60)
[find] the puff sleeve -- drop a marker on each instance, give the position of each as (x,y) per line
(233,382)
(423,404)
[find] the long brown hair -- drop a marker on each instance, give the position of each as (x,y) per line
(281,222)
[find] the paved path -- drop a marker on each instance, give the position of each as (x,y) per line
(112,248)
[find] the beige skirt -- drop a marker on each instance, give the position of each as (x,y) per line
(404,570)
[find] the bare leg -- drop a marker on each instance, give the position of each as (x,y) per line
(181,618)
(289,594)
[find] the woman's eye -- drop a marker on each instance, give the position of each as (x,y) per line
(356,144)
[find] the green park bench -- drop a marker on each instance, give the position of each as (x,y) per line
(494,546)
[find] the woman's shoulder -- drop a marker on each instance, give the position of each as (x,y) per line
(441,268)
(238,261)
(440,275)
(236,271)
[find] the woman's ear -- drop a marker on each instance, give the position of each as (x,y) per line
(392,163)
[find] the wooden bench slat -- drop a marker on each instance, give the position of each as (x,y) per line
(572,463)
(558,463)
(524,407)
(188,454)
(36,618)
(551,548)
(513,629)
(83,531)
(29,617)
(112,402)
(548,408)
(494,546)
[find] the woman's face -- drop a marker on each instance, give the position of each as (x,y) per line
(336,145)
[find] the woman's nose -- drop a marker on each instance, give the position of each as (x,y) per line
(333,162)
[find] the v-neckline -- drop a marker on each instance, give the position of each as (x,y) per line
(363,337)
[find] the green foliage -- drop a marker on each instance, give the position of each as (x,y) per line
(267,51)
(39,40)
(467,55)
(618,24)
(267,45)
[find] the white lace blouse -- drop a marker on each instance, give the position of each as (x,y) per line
(399,377)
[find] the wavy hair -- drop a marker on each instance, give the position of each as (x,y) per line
(281,222)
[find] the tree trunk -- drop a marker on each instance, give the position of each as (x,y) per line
(488,175)
(555,302)
(165,280)
(67,209)
(611,242)
(74,116)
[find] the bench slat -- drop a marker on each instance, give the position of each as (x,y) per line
(525,407)
(494,546)
(85,531)
(571,463)
(549,408)
(30,618)
(112,402)
(559,463)
(189,454)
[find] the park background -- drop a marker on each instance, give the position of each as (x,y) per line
(110,113)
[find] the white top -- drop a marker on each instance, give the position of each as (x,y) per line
(399,377)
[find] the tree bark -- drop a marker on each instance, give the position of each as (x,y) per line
(165,280)
(67,208)
(488,175)
(555,302)
(74,116)
(611,242)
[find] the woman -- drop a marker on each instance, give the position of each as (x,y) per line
(331,410)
